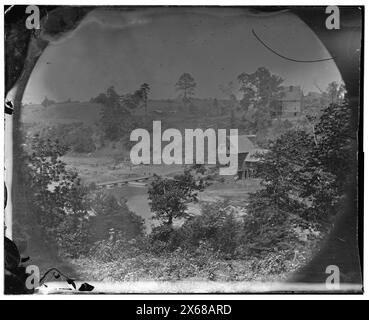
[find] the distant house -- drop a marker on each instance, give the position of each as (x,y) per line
(290,104)
(250,162)
(248,155)
(244,146)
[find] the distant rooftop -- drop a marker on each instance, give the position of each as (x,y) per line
(245,144)
(255,155)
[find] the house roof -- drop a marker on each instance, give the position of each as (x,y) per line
(291,93)
(255,155)
(244,144)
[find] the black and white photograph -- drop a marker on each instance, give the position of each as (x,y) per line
(183,149)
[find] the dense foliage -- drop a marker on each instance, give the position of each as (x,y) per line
(169,197)
(76,137)
(260,91)
(116,118)
(186,84)
(217,245)
(304,177)
(259,88)
(57,196)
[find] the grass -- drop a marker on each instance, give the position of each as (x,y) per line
(193,266)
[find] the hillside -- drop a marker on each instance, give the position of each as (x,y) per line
(62,113)
(172,113)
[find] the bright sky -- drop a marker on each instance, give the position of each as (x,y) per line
(215,45)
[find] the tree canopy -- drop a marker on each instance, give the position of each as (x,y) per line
(259,88)
(186,84)
(116,118)
(306,173)
(169,197)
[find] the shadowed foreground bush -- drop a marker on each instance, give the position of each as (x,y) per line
(130,263)
(216,245)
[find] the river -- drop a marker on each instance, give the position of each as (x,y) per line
(137,201)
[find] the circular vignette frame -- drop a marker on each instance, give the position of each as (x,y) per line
(344,245)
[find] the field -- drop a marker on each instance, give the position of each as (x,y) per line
(169,111)
(85,112)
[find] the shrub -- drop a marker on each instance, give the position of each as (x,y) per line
(71,237)
(115,248)
(75,136)
(57,198)
(273,263)
(267,230)
(217,226)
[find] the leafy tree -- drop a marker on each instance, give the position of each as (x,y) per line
(169,197)
(186,84)
(46,102)
(144,90)
(259,88)
(280,167)
(336,92)
(57,196)
(248,98)
(116,118)
(336,142)
(306,173)
(257,120)
(101,98)
(131,100)
(298,190)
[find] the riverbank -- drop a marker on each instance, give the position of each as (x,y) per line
(104,168)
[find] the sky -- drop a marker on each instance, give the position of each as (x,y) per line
(156,45)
